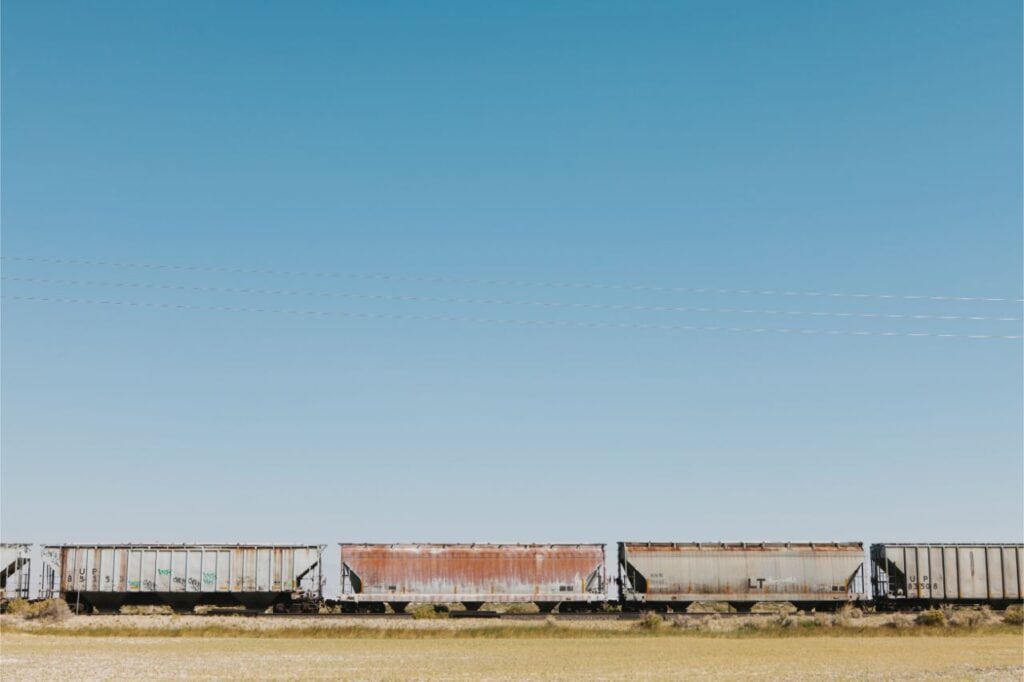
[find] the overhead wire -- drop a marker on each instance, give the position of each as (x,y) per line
(518,322)
(504,302)
(505,282)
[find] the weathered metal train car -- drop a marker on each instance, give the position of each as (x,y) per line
(106,577)
(923,574)
(15,570)
(663,575)
(398,574)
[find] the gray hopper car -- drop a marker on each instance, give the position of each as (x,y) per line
(106,577)
(663,575)
(15,564)
(908,574)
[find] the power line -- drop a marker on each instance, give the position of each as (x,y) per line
(486,320)
(503,282)
(506,302)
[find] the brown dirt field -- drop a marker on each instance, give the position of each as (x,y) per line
(46,657)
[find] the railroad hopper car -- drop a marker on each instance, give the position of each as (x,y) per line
(398,574)
(15,570)
(923,574)
(673,575)
(106,577)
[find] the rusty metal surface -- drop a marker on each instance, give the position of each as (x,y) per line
(15,570)
(186,568)
(948,572)
(472,572)
(740,571)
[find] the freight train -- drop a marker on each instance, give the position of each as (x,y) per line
(650,576)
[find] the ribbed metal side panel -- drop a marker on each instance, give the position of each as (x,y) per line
(948,572)
(184,568)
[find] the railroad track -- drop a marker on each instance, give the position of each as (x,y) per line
(485,615)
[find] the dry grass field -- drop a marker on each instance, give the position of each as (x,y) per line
(616,657)
(968,644)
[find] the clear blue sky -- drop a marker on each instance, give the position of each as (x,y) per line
(867,147)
